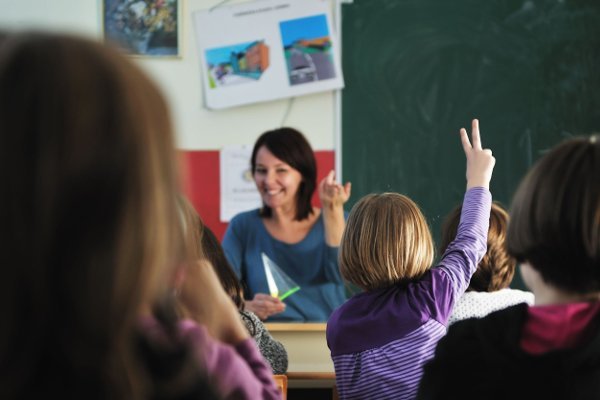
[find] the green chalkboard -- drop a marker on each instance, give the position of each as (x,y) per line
(418,70)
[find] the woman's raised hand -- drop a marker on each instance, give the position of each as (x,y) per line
(480,161)
(333,193)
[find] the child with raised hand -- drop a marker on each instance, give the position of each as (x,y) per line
(489,289)
(380,339)
(550,350)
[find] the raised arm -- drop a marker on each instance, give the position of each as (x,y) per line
(462,255)
(333,196)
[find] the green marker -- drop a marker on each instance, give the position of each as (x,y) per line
(289,293)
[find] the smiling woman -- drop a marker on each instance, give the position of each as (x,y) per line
(300,240)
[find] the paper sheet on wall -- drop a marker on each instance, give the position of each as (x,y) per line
(238,192)
(265,50)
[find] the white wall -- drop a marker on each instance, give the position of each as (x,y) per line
(198,128)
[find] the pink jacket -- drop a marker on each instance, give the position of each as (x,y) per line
(237,372)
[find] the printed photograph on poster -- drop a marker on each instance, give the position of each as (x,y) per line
(147,28)
(238,191)
(266,50)
(307,49)
(241,63)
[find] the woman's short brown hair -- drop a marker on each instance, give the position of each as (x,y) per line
(555,216)
(386,241)
(496,269)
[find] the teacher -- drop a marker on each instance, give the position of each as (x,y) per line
(300,239)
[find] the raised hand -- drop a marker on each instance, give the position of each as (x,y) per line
(480,162)
(333,196)
(332,193)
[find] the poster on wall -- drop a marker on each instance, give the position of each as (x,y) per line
(143,28)
(266,50)
(238,191)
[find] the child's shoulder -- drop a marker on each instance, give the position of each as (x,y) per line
(420,299)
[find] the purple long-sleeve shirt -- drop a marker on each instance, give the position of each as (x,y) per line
(379,340)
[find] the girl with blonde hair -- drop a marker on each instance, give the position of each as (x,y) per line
(380,339)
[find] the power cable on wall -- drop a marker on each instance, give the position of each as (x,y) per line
(287,111)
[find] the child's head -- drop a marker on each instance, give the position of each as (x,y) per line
(555,216)
(496,269)
(192,230)
(201,243)
(213,251)
(386,241)
(87,156)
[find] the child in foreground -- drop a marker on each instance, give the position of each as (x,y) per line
(550,350)
(89,227)
(380,339)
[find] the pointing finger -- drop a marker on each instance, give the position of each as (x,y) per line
(330,177)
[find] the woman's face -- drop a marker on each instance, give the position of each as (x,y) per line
(276,181)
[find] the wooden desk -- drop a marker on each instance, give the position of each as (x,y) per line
(310,364)
(306,346)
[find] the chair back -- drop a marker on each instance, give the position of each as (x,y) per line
(282,382)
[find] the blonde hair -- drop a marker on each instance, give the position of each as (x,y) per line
(386,241)
(497,268)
